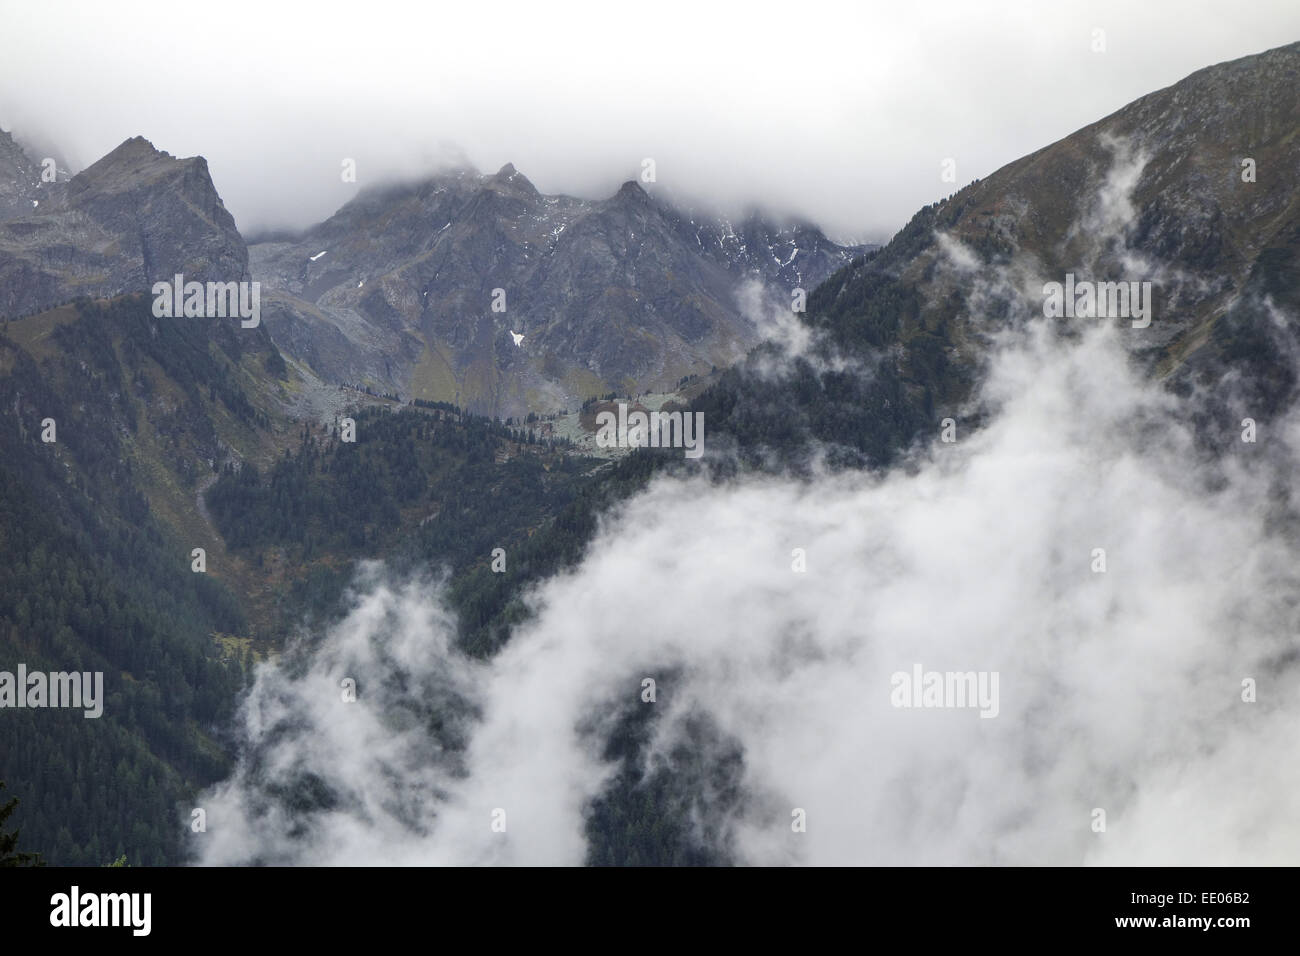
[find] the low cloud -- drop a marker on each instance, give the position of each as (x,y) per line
(1132,590)
(1120,690)
(724,98)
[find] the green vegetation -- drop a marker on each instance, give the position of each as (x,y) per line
(101,581)
(10,855)
(94,582)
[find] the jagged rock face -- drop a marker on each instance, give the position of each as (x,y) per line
(397,290)
(135,217)
(1154,192)
(21,189)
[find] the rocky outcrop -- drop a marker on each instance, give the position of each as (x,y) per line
(136,216)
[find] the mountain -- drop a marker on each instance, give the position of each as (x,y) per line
(170,435)
(1151,193)
(136,216)
(182,433)
(114,423)
(396,291)
(111,418)
(1156,192)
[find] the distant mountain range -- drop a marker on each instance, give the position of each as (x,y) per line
(397,290)
(624,294)
(182,433)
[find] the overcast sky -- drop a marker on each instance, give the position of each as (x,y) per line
(840,112)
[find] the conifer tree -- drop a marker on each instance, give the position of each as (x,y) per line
(10,855)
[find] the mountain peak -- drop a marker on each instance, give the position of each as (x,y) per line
(138,146)
(134,215)
(125,163)
(631,190)
(516,181)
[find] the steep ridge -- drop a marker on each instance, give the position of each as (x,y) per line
(1159,192)
(1191,188)
(135,217)
(112,417)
